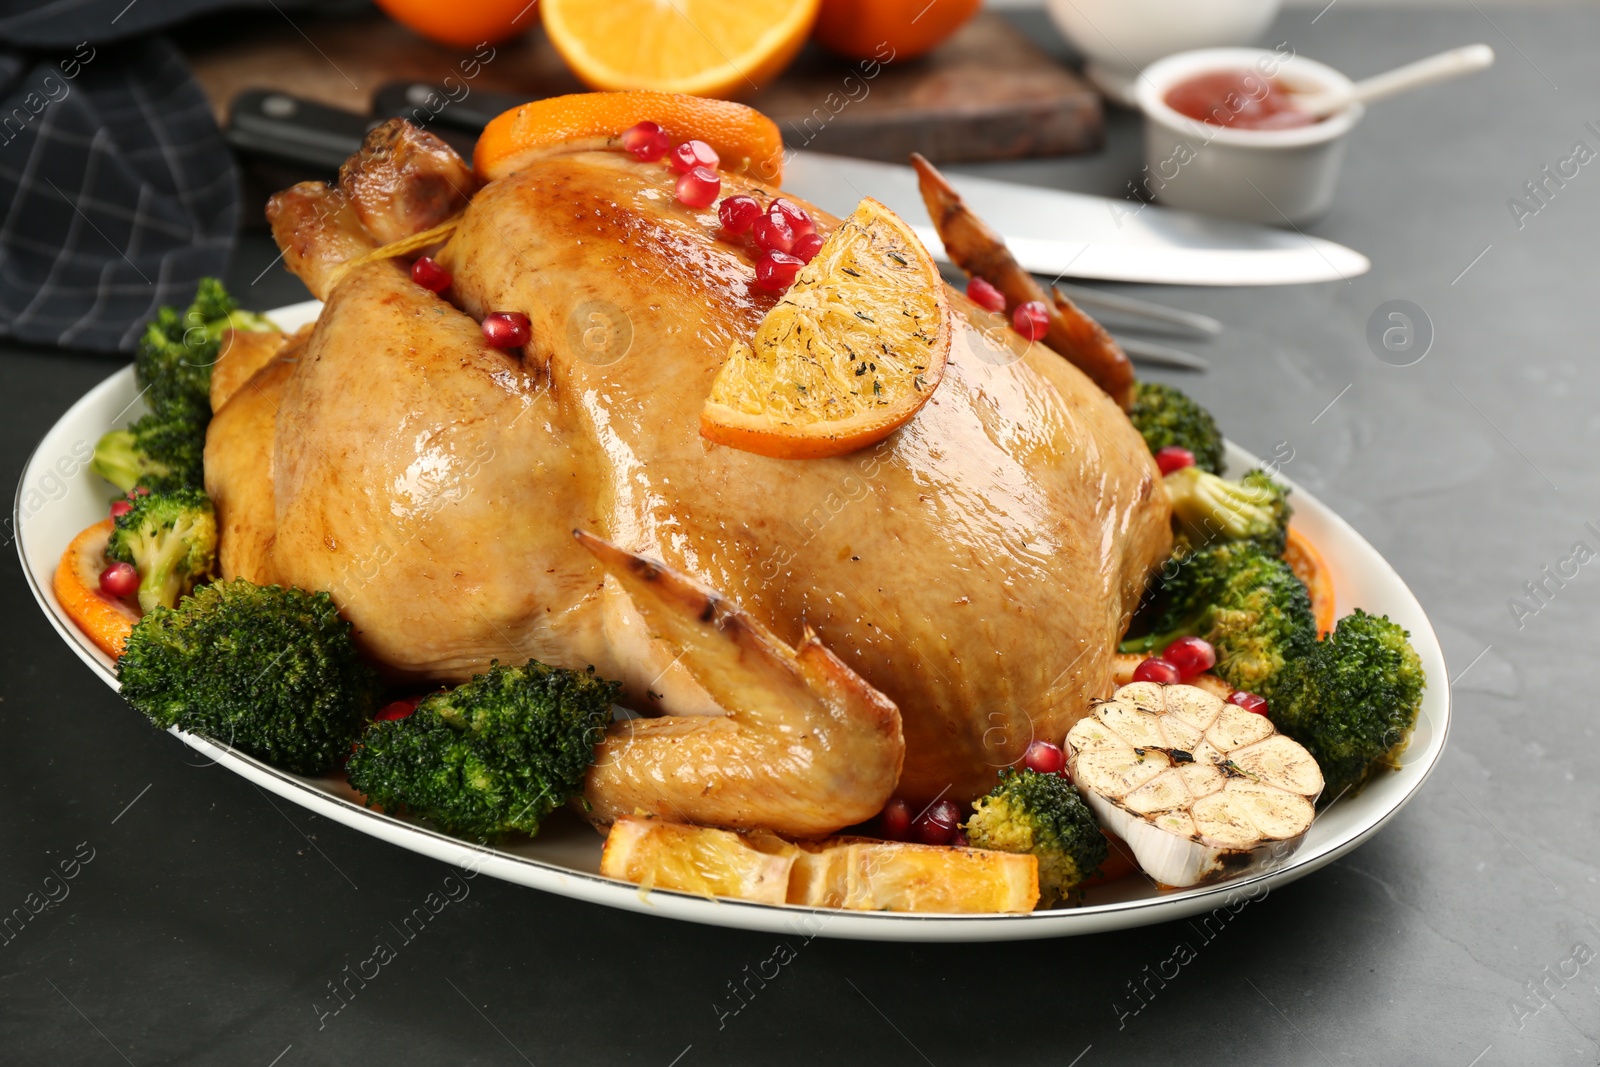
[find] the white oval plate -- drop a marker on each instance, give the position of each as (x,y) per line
(58,496)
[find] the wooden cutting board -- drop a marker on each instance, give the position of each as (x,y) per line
(987,93)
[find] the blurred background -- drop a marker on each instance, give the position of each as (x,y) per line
(140,138)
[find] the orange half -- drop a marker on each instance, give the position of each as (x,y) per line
(705,47)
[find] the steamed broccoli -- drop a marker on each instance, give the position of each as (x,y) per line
(494,755)
(174,358)
(1167,416)
(162,450)
(1247,602)
(271,671)
(171,539)
(165,449)
(1041,814)
(1352,700)
(1211,508)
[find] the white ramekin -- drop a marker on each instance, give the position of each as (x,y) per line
(1118,38)
(1272,176)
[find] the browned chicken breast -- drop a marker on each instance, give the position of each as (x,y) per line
(976,567)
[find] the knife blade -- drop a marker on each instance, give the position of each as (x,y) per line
(1061,234)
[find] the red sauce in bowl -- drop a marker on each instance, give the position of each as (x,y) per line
(1243,99)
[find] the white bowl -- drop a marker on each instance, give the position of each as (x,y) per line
(1119,38)
(1281,177)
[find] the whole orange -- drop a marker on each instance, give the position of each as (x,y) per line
(463,23)
(888,30)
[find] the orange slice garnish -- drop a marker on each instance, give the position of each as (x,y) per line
(106,620)
(1309,566)
(847,356)
(704,47)
(746,140)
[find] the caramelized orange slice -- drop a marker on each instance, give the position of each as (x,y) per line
(847,356)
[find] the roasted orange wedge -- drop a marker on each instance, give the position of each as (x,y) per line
(746,140)
(847,356)
(705,47)
(855,873)
(106,620)
(697,859)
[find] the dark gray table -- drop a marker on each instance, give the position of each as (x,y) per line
(211,919)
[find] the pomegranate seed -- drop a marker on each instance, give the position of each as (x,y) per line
(506,329)
(427,273)
(894,821)
(1157,670)
(938,824)
(140,491)
(692,154)
(738,212)
(1191,655)
(121,507)
(776,271)
(1174,458)
(985,295)
(119,580)
(1248,701)
(1044,758)
(399,709)
(646,141)
(795,215)
(1031,319)
(698,188)
(773,233)
(807,247)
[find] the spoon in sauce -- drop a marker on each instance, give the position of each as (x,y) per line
(1442,67)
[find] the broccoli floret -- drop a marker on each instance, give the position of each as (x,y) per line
(494,755)
(1211,508)
(175,356)
(271,671)
(171,539)
(165,449)
(1247,602)
(1168,416)
(161,451)
(211,302)
(1353,700)
(1044,815)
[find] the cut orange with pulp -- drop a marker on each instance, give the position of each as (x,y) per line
(105,620)
(847,356)
(746,140)
(704,47)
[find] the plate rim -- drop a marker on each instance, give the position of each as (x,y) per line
(555,877)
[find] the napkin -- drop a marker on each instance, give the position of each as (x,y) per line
(117,191)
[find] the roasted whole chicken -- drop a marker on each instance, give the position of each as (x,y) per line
(787,627)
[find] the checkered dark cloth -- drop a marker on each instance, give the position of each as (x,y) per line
(117,191)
